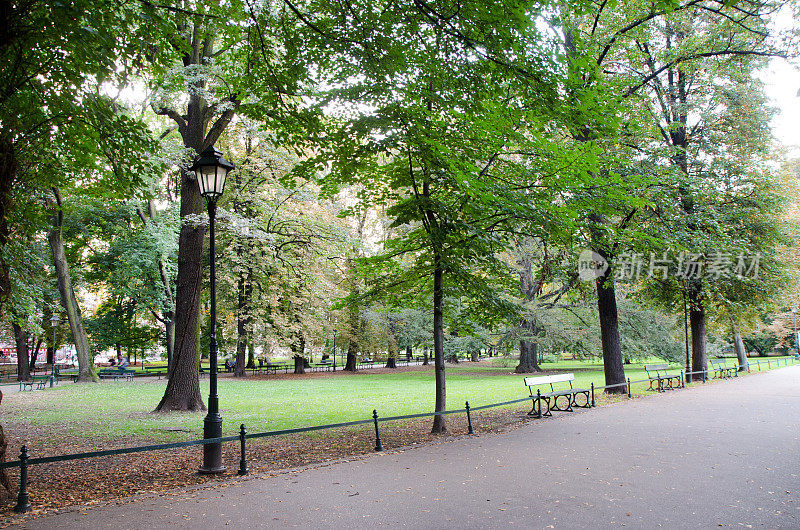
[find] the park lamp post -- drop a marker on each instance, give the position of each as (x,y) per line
(211,170)
(794,317)
(334,350)
(54,320)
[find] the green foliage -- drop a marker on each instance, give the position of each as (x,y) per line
(114,325)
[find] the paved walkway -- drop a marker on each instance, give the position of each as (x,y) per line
(722,454)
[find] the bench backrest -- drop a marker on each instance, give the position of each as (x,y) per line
(531,382)
(657,368)
(718,362)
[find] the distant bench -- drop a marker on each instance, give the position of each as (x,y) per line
(658,374)
(326,364)
(569,394)
(722,370)
(116,374)
(37,380)
(274,367)
(155,370)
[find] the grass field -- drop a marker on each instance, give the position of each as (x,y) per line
(114,410)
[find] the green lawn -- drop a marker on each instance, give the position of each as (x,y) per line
(113,410)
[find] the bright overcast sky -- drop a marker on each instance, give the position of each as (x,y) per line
(782,84)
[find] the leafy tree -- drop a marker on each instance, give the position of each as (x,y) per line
(711,120)
(225,60)
(438,111)
(54,56)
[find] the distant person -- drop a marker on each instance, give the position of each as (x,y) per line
(112,361)
(124,363)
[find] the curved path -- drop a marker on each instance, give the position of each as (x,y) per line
(722,454)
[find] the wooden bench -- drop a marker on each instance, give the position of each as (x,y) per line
(116,374)
(721,369)
(274,367)
(570,394)
(38,381)
(657,373)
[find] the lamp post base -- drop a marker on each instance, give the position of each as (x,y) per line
(212,453)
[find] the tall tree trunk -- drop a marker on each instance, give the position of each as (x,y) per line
(697,322)
(439,423)
(528,354)
(528,357)
(738,345)
(352,356)
(242,317)
(300,364)
(35,353)
(609,333)
(678,96)
(23,356)
(251,356)
(67,293)
(391,360)
(183,387)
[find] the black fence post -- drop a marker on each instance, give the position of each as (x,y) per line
(593,394)
(378,444)
(538,413)
(629,387)
(683,379)
(23,502)
(243,461)
(469,419)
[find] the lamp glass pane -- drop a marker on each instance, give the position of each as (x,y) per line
(222,173)
(205,179)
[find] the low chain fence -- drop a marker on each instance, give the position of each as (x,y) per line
(25,460)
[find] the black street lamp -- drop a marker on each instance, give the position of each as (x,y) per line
(211,170)
(796,342)
(334,350)
(53,324)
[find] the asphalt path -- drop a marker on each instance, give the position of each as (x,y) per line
(721,454)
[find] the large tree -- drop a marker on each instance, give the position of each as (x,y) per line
(607,70)
(710,125)
(225,60)
(431,91)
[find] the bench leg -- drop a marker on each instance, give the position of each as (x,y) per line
(536,409)
(570,399)
(533,412)
(549,411)
(588,404)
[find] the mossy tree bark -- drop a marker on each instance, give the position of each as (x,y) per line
(67,293)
